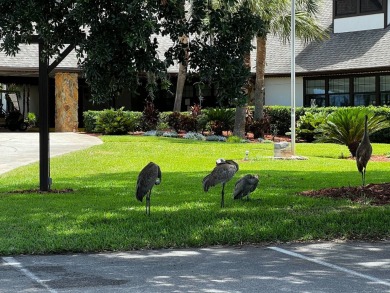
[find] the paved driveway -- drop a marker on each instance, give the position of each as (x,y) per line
(321,267)
(22,148)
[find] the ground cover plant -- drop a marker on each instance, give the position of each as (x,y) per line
(100,211)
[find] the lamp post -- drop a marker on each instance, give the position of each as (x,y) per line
(292,77)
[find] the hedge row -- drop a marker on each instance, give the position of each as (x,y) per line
(277,118)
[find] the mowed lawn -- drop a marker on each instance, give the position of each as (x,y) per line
(102,213)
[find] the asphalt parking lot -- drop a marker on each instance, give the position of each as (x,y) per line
(319,267)
(313,267)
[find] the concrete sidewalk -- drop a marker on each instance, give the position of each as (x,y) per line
(22,148)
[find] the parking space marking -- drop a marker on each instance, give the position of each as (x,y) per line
(329,265)
(13,262)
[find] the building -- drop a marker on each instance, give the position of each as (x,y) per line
(350,68)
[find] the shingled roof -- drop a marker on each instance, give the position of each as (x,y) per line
(343,52)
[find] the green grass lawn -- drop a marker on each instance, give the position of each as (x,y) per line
(103,214)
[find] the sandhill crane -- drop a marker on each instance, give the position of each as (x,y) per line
(363,152)
(245,185)
(222,173)
(149,176)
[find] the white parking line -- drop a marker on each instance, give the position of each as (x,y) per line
(329,265)
(13,262)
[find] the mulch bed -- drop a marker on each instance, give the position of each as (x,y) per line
(66,190)
(374,194)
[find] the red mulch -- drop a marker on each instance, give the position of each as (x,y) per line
(374,194)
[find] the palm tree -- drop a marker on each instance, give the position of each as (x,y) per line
(346,126)
(276,15)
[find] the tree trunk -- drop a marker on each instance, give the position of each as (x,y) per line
(239,121)
(239,118)
(181,77)
(260,72)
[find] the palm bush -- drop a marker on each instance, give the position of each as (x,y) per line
(346,126)
(220,120)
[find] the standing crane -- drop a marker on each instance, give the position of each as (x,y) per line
(245,185)
(222,173)
(363,152)
(149,176)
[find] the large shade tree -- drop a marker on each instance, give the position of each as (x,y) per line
(112,38)
(221,36)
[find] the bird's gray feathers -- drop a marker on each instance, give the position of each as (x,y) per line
(364,150)
(245,185)
(147,178)
(222,173)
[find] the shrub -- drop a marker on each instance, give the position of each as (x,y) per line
(235,139)
(133,119)
(150,133)
(260,127)
(89,119)
(220,120)
(308,123)
(346,126)
(188,123)
(170,134)
(112,121)
(173,121)
(216,138)
(194,136)
(31,119)
(150,117)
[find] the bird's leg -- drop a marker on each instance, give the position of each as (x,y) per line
(148,202)
(364,176)
(223,195)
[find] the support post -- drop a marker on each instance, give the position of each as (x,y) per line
(293,77)
(43,121)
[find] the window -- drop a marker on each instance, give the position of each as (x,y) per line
(356,7)
(347,91)
(315,92)
(339,92)
(371,6)
(346,7)
(385,89)
(364,89)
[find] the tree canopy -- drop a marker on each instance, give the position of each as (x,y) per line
(117,40)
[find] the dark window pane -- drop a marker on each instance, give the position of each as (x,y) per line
(385,99)
(385,83)
(364,84)
(346,7)
(340,85)
(339,100)
(315,87)
(315,101)
(371,5)
(364,99)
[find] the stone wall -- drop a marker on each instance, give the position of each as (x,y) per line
(66,103)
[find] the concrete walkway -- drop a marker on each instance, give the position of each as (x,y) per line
(22,148)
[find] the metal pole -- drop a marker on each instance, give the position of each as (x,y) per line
(293,77)
(44,180)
